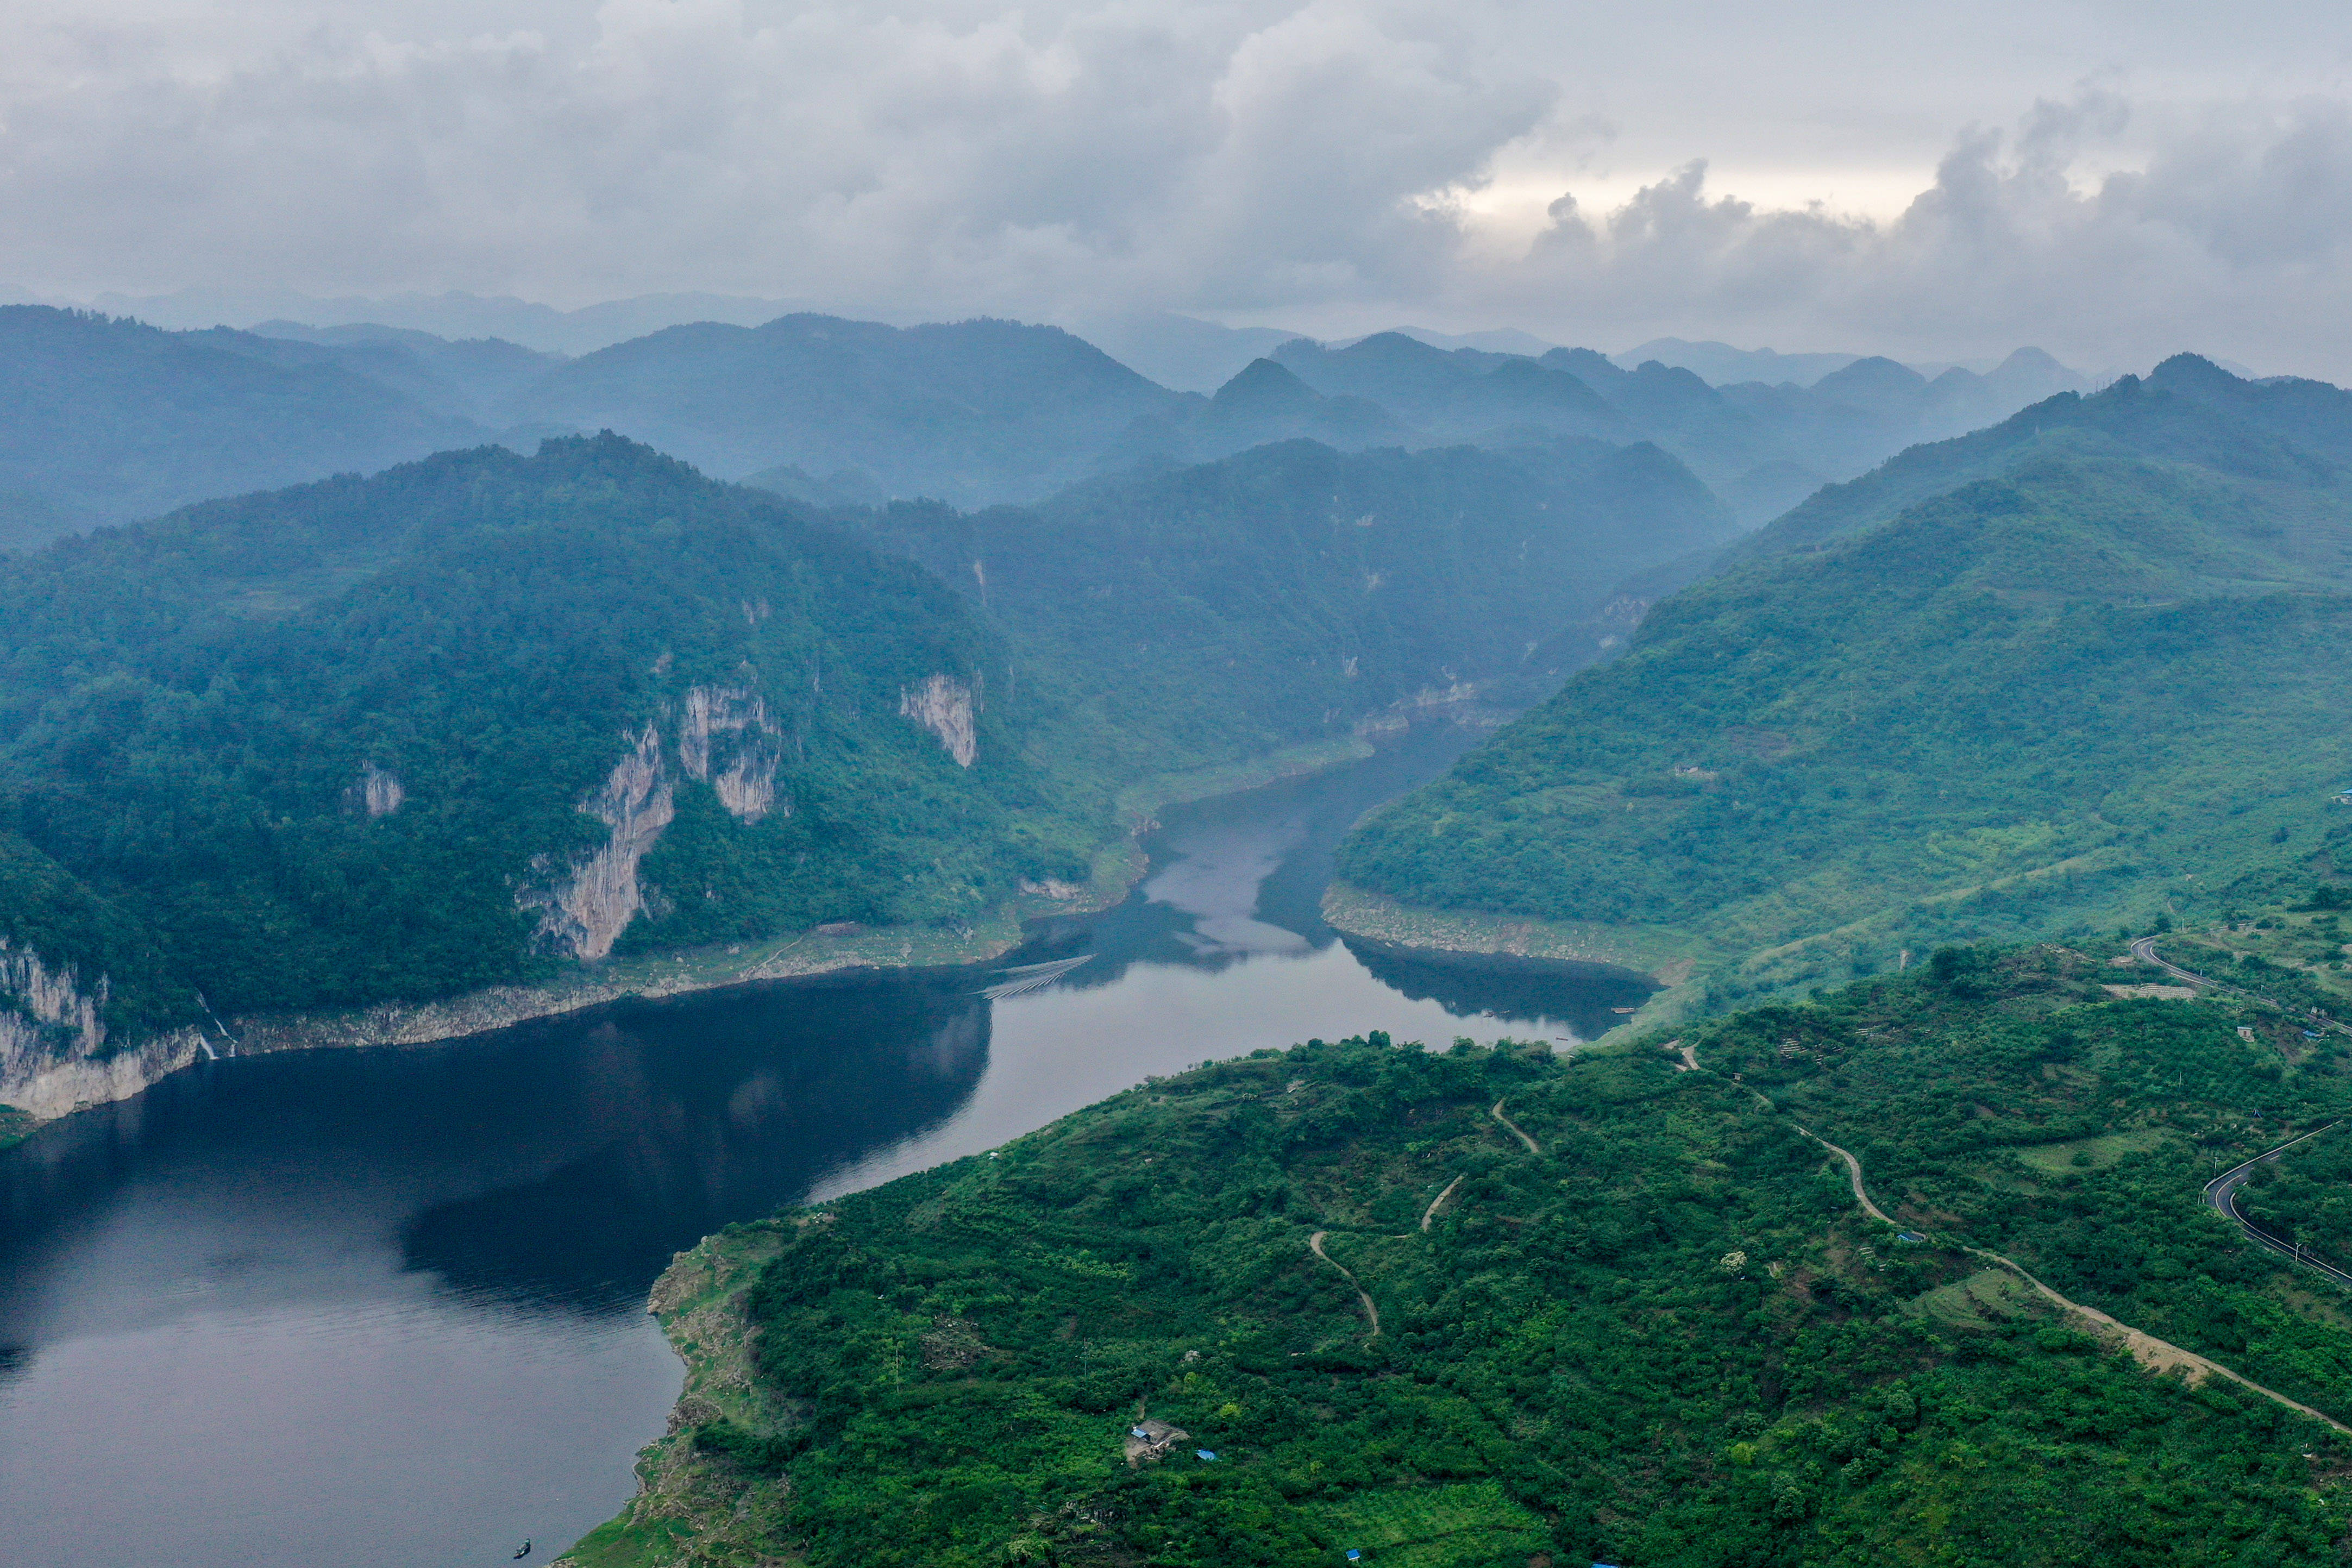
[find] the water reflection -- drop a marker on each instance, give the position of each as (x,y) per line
(384,1306)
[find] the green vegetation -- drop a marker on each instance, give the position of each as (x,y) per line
(1192,618)
(1666,1336)
(190,711)
(195,712)
(2097,688)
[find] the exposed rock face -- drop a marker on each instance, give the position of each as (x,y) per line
(53,1056)
(944,705)
(379,791)
(737,720)
(585,913)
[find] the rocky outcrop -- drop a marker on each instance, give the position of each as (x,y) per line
(378,792)
(583,914)
(944,705)
(735,721)
(54,1052)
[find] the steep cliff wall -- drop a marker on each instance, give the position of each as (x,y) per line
(944,705)
(583,913)
(54,1053)
(731,726)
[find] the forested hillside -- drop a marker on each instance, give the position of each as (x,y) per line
(1485,1305)
(102,420)
(1289,592)
(449,725)
(2096,686)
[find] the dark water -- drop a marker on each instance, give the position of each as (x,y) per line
(385,1307)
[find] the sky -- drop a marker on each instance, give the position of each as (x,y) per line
(2111,181)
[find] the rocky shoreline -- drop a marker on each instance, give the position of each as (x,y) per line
(87,1074)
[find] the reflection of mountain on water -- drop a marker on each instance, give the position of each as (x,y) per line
(1584,997)
(732,1105)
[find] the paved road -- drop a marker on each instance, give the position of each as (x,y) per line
(2144,951)
(2222,1192)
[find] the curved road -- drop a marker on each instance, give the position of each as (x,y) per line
(2156,1356)
(1497,1114)
(2222,1192)
(1315,1245)
(2144,949)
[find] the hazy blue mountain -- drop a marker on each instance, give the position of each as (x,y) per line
(456,315)
(1720,365)
(971,412)
(469,377)
(1500,341)
(1290,592)
(111,419)
(1179,352)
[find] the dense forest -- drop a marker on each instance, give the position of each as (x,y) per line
(2098,686)
(1290,592)
(1472,1306)
(333,744)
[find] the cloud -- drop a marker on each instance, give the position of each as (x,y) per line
(1332,165)
(2234,235)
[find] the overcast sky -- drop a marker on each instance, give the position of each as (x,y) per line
(2110,181)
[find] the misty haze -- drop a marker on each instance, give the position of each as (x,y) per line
(1293,783)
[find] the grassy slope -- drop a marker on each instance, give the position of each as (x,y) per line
(1664,1337)
(2066,695)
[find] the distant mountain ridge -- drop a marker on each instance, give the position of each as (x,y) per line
(113,419)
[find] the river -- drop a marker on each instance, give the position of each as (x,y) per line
(385,1307)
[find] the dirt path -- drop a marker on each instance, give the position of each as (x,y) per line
(2156,1354)
(1430,1213)
(1497,1114)
(1315,1245)
(1690,1057)
(1853,1170)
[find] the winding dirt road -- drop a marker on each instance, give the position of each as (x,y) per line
(1315,1245)
(1497,1114)
(2156,1354)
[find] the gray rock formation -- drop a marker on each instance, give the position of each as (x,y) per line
(944,705)
(583,913)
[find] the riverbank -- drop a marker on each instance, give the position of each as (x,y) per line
(29,1097)
(690,1506)
(1669,957)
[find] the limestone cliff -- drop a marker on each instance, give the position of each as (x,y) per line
(54,1055)
(733,720)
(377,792)
(583,913)
(944,705)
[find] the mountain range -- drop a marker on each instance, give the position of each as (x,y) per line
(111,419)
(2074,669)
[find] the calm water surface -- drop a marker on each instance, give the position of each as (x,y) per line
(385,1308)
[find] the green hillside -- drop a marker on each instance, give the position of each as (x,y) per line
(1487,1306)
(451,724)
(1286,594)
(2095,687)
